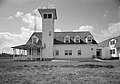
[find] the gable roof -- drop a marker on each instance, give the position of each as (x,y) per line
(106,42)
(59,37)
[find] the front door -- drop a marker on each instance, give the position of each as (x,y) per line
(99,53)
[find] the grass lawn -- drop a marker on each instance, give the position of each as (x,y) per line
(59,72)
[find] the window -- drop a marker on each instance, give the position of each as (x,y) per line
(89,39)
(68,52)
(38,51)
(79,52)
(49,33)
(91,48)
(112,42)
(34,40)
(112,51)
(57,52)
(30,52)
(67,39)
(44,45)
(77,39)
(47,16)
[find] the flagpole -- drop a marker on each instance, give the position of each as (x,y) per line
(34,22)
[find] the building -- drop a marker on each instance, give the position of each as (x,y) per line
(56,45)
(110,48)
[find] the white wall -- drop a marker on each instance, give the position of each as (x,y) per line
(85,53)
(106,52)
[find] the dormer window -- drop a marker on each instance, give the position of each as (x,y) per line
(67,39)
(89,39)
(34,39)
(77,39)
(47,16)
(112,42)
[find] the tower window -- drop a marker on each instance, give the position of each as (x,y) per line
(49,16)
(45,16)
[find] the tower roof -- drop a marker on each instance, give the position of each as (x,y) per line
(48,11)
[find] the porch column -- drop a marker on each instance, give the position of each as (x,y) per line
(31,54)
(14,53)
(22,53)
(19,53)
(40,54)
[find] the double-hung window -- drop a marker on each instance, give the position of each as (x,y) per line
(68,52)
(47,16)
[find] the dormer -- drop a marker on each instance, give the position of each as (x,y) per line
(89,39)
(77,39)
(67,39)
(34,39)
(112,42)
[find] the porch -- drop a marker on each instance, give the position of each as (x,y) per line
(27,52)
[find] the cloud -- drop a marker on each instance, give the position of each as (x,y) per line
(57,30)
(29,18)
(113,30)
(85,28)
(19,14)
(7,40)
(10,18)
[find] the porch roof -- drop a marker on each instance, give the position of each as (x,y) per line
(27,46)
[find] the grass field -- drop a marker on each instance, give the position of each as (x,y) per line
(59,72)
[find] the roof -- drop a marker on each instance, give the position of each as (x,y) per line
(106,42)
(27,46)
(48,11)
(59,38)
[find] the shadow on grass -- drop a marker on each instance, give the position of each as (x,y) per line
(89,66)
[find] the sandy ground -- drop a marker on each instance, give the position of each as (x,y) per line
(60,72)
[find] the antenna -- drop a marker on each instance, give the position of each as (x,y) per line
(34,22)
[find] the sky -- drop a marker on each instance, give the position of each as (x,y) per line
(100,17)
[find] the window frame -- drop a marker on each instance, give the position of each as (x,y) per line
(112,51)
(57,52)
(38,53)
(30,52)
(68,52)
(89,40)
(77,39)
(67,39)
(79,53)
(47,16)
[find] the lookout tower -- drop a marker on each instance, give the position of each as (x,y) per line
(48,18)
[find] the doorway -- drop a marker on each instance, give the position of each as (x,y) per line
(99,53)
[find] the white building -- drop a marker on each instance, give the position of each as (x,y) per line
(56,45)
(110,48)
